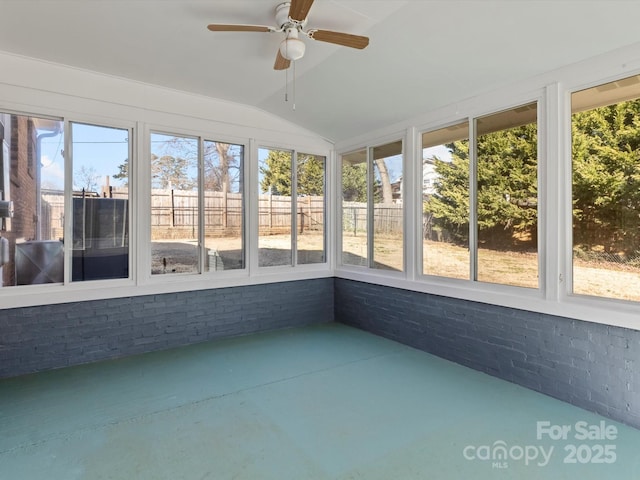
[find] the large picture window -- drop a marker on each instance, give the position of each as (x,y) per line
(605,127)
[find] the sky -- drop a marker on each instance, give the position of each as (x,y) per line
(98,151)
(440,151)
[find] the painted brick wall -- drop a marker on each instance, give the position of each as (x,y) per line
(593,366)
(52,336)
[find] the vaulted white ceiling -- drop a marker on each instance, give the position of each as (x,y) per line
(424,54)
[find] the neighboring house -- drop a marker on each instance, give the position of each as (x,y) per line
(429,176)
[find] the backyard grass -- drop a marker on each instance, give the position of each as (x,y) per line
(601,279)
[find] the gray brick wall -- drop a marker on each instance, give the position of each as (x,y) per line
(52,336)
(593,366)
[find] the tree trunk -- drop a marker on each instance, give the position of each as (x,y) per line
(223,153)
(387,193)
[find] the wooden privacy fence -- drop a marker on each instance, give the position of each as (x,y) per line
(274,214)
(387,218)
(174,214)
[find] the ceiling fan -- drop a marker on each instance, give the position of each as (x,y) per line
(291,19)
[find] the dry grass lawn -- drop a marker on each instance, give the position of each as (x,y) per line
(440,259)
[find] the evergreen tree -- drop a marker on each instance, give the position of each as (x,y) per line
(450,205)
(507,186)
(123,173)
(354,182)
(276,174)
(506,190)
(606,177)
(310,175)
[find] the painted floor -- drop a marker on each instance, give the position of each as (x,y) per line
(325,402)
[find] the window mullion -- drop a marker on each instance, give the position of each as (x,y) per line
(201,236)
(370,207)
(68,202)
(473,202)
(294,207)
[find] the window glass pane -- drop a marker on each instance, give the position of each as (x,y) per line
(507,198)
(606,190)
(223,206)
(274,209)
(100,206)
(174,204)
(387,207)
(354,208)
(310,205)
(445,202)
(32,200)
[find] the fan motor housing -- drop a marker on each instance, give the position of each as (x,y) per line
(282,14)
(282,18)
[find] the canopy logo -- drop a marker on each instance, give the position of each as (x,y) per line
(499,453)
(590,451)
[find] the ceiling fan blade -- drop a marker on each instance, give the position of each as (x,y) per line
(281,62)
(299,9)
(217,27)
(344,39)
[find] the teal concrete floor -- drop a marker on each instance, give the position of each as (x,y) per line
(325,402)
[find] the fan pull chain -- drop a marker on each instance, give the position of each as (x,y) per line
(294,86)
(286,80)
(286,85)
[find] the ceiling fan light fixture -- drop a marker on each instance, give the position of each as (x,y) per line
(291,20)
(292,49)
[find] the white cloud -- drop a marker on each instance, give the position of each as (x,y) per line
(52,173)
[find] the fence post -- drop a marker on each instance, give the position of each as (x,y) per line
(355,221)
(173,211)
(301,219)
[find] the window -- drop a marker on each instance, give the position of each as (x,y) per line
(355,218)
(291,208)
(274,208)
(372,207)
(445,202)
(223,206)
(498,243)
(606,190)
(507,197)
(32,204)
(310,202)
(388,243)
(100,207)
(175,219)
